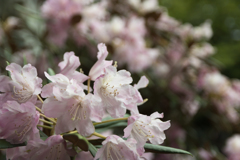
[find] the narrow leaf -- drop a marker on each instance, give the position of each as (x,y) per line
(162,149)
(92,149)
(43,136)
(51,72)
(5,144)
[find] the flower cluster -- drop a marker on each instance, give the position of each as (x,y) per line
(71,106)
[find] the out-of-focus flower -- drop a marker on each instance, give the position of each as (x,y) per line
(115,147)
(215,83)
(18,122)
(203,31)
(146,128)
(144,6)
(232,147)
(167,23)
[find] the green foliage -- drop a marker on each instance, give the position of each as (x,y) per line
(5,144)
(162,149)
(225,23)
(77,140)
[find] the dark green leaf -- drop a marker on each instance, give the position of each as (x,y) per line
(92,149)
(162,149)
(77,140)
(5,144)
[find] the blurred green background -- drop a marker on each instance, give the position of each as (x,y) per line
(225,16)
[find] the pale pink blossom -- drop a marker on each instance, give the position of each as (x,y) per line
(115,91)
(52,148)
(68,102)
(69,65)
(61,9)
(98,68)
(204,31)
(16,153)
(136,96)
(167,23)
(146,128)
(115,147)
(18,122)
(23,86)
(232,147)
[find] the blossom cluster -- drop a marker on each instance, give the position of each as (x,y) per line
(71,106)
(142,37)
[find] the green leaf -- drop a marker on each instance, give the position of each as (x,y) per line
(92,149)
(51,72)
(24,60)
(77,140)
(9,73)
(5,144)
(106,126)
(162,149)
(43,136)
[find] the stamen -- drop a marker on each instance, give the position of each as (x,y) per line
(22,95)
(78,112)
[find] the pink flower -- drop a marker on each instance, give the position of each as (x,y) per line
(143,128)
(232,147)
(136,96)
(24,86)
(53,148)
(68,102)
(69,65)
(115,147)
(98,68)
(18,122)
(115,91)
(17,153)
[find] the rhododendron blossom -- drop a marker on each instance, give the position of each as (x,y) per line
(18,122)
(114,89)
(69,65)
(72,108)
(98,68)
(24,86)
(146,128)
(115,147)
(52,148)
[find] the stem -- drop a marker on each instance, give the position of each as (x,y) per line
(38,109)
(50,119)
(144,101)
(71,132)
(44,126)
(53,130)
(111,120)
(46,121)
(99,135)
(88,85)
(40,98)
